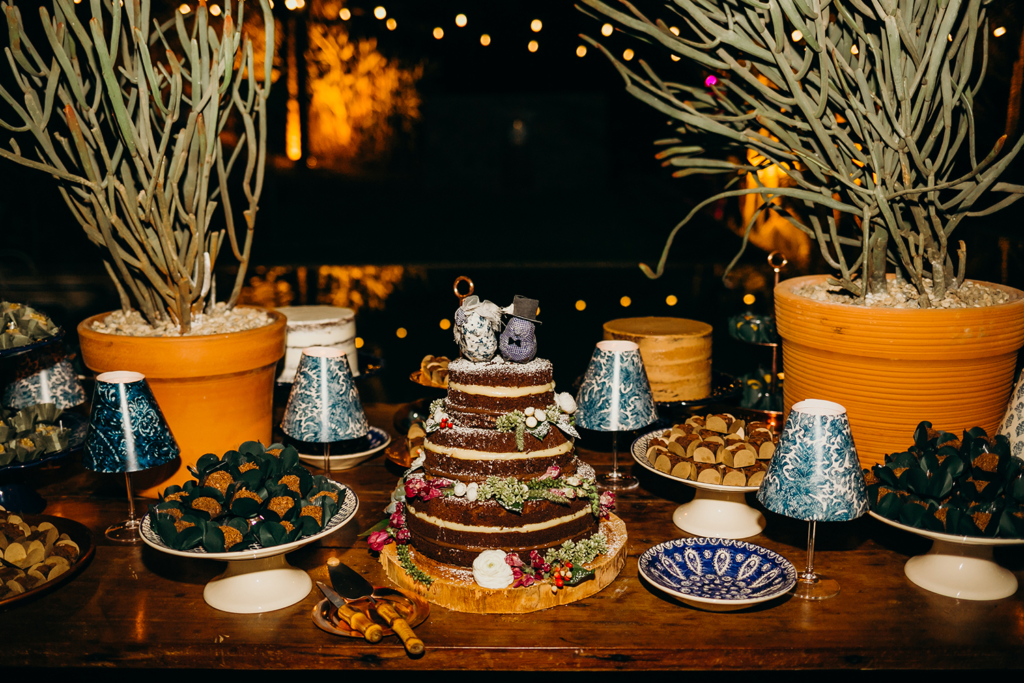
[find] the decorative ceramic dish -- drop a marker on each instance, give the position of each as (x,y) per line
(379,439)
(79,534)
(18,350)
(959,567)
(258,579)
(410,606)
(717,574)
(716,511)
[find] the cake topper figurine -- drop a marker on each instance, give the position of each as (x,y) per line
(477,324)
(518,343)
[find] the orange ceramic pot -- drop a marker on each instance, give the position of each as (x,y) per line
(892,368)
(216,391)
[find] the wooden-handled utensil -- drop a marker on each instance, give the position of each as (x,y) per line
(354,618)
(352,586)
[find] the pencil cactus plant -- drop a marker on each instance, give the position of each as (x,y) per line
(865,105)
(135,140)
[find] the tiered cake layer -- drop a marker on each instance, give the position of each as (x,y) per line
(473,454)
(479,393)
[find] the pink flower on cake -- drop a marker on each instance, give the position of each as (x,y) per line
(520,578)
(538,563)
(513,560)
(607,503)
(414,485)
(551,473)
(403,536)
(379,539)
(397,519)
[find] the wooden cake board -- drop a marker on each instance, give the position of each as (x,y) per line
(455,588)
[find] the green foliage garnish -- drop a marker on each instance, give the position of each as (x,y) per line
(410,568)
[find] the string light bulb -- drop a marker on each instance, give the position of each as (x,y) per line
(460,20)
(1001,31)
(536,25)
(184,9)
(628,54)
(485,40)
(533,46)
(379,12)
(438,32)
(625,301)
(581,305)
(345,14)
(606,30)
(671,300)
(392,24)
(581,51)
(215,10)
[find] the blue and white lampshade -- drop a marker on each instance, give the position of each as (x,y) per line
(815,474)
(43,376)
(324,405)
(615,395)
(127,431)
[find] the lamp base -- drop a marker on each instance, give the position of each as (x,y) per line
(811,586)
(616,481)
(125,532)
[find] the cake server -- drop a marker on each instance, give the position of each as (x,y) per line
(355,619)
(353,586)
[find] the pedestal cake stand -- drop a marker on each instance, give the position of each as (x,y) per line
(258,579)
(959,567)
(716,511)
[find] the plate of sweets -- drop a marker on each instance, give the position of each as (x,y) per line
(723,458)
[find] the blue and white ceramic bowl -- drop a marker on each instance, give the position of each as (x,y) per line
(717,574)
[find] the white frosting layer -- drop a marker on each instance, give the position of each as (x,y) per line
(467,454)
(526,528)
(501,392)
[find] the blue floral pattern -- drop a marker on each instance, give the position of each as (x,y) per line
(1013,423)
(815,474)
(43,376)
(475,335)
(324,404)
(518,343)
(717,569)
(127,431)
(615,395)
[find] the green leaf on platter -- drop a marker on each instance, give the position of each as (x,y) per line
(207,462)
(940,485)
(886,476)
(289,458)
(189,538)
(921,434)
(379,526)
(953,465)
(579,576)
(913,515)
(245,507)
(889,506)
(251,448)
(165,528)
(1017,490)
(904,459)
(929,463)
(307,526)
(915,480)
(213,539)
(272,534)
(944,438)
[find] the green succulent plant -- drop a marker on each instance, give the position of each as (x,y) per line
(970,486)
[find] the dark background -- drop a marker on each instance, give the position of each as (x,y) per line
(561,209)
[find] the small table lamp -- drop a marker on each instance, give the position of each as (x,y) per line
(815,476)
(127,433)
(324,404)
(615,396)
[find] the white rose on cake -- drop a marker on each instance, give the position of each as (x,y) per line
(491,571)
(566,402)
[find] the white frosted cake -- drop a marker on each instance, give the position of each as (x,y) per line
(330,326)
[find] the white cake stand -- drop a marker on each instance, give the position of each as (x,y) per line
(716,511)
(258,579)
(959,567)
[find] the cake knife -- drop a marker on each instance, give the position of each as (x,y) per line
(354,618)
(353,586)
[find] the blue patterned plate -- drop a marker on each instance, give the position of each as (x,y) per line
(378,439)
(717,574)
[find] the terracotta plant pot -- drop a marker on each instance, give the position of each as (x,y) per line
(892,368)
(216,391)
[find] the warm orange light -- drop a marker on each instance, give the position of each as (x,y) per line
(1001,31)
(345,14)
(675,31)
(854,50)
(796,36)
(581,51)
(184,9)
(625,301)
(536,25)
(671,300)
(485,40)
(392,24)
(581,305)
(214,10)
(439,33)
(359,342)
(627,55)
(606,30)
(379,12)
(748,299)
(460,20)
(674,58)
(533,46)
(293,131)
(446,324)
(401,333)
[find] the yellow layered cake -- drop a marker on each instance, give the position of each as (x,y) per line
(676,353)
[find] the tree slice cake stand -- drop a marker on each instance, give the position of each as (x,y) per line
(716,511)
(455,589)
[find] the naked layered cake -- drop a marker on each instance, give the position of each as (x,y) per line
(499,477)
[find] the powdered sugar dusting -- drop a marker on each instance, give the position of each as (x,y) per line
(503,368)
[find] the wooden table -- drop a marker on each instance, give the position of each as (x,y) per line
(135,607)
